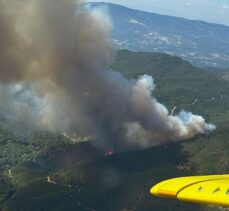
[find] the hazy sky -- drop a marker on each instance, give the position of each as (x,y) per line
(216,11)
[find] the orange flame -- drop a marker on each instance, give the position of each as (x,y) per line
(109,152)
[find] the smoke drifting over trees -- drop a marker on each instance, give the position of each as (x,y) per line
(55,59)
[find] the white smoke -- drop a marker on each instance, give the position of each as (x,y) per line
(62,54)
(159,126)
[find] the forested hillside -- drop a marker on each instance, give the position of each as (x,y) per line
(50,171)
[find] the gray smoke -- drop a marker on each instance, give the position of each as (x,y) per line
(55,59)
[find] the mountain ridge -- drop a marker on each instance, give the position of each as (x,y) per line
(155,13)
(199,42)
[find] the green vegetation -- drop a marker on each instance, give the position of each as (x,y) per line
(82,178)
(118,182)
(16,150)
(187,87)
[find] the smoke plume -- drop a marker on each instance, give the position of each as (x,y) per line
(55,59)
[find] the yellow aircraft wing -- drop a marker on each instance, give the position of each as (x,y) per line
(213,189)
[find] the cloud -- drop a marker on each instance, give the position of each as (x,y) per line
(225,6)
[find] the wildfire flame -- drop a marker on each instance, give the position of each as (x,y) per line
(109,151)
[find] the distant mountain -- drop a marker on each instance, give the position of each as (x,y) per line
(201,43)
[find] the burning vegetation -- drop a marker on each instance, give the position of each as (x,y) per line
(109,152)
(52,53)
